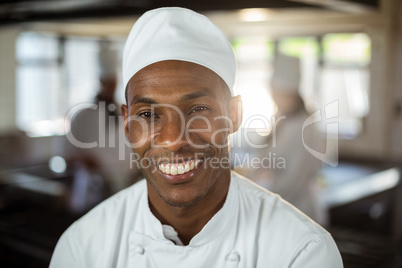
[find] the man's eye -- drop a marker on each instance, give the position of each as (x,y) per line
(199,109)
(147,115)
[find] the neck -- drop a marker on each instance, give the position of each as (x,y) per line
(189,221)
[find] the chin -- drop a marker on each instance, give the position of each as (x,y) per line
(181,200)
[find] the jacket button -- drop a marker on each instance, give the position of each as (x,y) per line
(139,250)
(234,257)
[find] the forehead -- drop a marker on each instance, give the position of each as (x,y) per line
(174,78)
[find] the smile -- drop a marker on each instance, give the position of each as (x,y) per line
(178,168)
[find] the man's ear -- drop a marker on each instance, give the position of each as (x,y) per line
(124,111)
(235,112)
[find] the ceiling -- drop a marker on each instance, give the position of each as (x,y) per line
(17,11)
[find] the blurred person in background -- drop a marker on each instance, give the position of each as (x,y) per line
(99,171)
(296,179)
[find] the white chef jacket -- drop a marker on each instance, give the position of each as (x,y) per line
(254,228)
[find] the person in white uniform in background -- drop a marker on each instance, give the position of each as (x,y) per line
(100,169)
(296,180)
(190,210)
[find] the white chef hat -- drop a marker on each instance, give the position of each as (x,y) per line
(108,60)
(174,33)
(286,76)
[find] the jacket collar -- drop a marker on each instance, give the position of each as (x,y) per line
(152,227)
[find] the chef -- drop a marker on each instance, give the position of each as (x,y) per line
(296,181)
(190,210)
(98,123)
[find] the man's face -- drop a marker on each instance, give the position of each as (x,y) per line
(178,119)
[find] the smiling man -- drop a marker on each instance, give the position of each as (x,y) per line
(184,109)
(191,210)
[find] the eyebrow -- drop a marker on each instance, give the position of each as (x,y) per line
(145,100)
(137,99)
(195,95)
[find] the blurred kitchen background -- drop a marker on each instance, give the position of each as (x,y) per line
(350,53)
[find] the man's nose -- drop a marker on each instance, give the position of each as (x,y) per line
(171,134)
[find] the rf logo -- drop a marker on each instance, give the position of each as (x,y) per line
(328,115)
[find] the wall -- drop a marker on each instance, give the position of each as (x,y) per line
(396,100)
(7,78)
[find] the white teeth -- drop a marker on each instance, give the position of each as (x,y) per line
(187,167)
(162,167)
(174,169)
(180,169)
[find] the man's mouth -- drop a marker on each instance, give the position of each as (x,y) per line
(178,168)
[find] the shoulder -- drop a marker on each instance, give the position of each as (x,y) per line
(118,203)
(104,227)
(278,223)
(110,215)
(272,209)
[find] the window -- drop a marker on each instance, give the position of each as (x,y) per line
(81,70)
(254,69)
(307,50)
(39,103)
(54,73)
(345,77)
(334,68)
